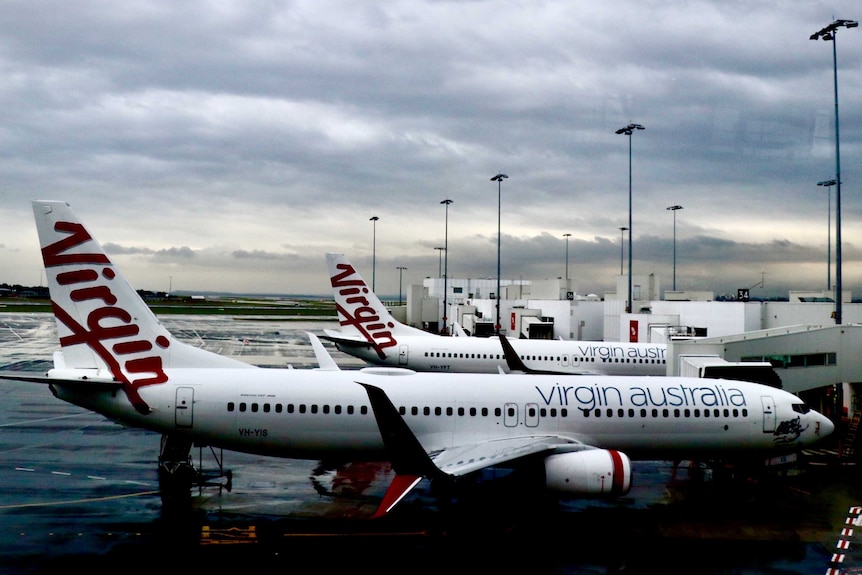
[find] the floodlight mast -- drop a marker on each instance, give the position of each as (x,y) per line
(628,130)
(498,178)
(829,34)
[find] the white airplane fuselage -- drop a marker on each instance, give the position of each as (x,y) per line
(485,355)
(315,414)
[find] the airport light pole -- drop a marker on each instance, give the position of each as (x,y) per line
(567,256)
(828,185)
(400,271)
(374,254)
(440,261)
(622,242)
(829,33)
(628,131)
(446,268)
(498,178)
(674,209)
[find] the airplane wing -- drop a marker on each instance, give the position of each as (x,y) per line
(474,457)
(412,463)
(457,330)
(513,360)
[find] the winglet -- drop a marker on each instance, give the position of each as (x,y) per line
(400,487)
(458,330)
(409,459)
(324,360)
(513,360)
(517,365)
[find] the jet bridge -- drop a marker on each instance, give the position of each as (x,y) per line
(716,367)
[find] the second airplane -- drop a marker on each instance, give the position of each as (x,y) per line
(369,332)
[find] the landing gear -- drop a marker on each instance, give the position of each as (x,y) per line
(178,475)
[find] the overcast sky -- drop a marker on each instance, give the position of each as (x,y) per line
(227,146)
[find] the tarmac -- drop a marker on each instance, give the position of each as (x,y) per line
(80,492)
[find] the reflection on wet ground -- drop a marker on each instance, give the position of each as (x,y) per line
(78,491)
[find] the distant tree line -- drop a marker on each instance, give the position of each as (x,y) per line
(19,291)
(41,292)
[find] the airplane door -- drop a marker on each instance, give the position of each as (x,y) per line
(403,355)
(183,413)
(531,414)
(768,413)
(510,414)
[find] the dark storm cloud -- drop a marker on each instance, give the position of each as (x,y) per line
(220,132)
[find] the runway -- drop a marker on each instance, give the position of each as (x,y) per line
(79,491)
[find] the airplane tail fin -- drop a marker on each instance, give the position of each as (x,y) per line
(107,332)
(363,318)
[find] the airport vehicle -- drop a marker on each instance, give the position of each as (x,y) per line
(368,331)
(578,433)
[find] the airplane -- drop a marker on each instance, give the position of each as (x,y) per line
(581,434)
(369,331)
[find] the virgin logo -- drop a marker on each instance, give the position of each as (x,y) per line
(88,284)
(358,312)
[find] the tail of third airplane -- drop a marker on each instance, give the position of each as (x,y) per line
(364,319)
(107,332)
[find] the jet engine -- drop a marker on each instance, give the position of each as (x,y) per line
(591,472)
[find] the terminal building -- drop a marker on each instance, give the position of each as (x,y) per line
(810,354)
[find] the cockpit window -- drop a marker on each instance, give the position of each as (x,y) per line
(801,408)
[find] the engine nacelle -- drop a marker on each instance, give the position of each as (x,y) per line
(591,472)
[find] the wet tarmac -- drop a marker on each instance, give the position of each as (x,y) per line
(80,492)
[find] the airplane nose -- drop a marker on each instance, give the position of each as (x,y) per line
(825,424)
